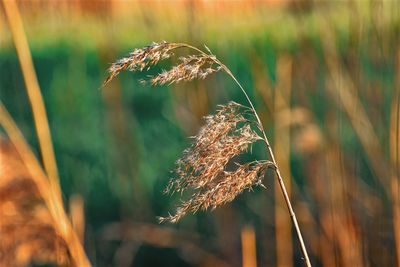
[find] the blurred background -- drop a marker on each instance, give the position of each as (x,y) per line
(324,76)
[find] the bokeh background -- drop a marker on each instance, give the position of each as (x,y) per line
(324,76)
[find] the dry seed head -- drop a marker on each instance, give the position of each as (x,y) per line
(226,134)
(217,142)
(223,190)
(203,166)
(141,58)
(191,67)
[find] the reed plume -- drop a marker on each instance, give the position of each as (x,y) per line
(218,141)
(203,166)
(228,133)
(141,58)
(190,68)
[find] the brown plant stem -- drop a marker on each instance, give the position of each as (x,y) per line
(269,150)
(33,90)
(283,226)
(248,236)
(394,137)
(77,215)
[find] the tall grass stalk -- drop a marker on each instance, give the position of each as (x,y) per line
(394,137)
(282,94)
(248,237)
(214,187)
(34,94)
(47,183)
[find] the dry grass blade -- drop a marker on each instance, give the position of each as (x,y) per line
(34,94)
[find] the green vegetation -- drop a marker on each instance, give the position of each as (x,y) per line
(115,146)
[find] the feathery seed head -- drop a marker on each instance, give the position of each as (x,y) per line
(202,167)
(141,58)
(225,135)
(191,67)
(223,190)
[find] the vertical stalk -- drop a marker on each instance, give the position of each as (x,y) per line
(394,157)
(35,96)
(283,225)
(248,237)
(48,183)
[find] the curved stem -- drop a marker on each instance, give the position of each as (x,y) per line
(278,173)
(269,149)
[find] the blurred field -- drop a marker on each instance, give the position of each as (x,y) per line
(325,78)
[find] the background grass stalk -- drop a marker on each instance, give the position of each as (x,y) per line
(34,94)
(248,237)
(282,96)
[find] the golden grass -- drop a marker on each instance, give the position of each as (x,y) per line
(46,183)
(284,244)
(33,90)
(394,138)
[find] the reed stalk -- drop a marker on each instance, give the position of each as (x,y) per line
(199,67)
(34,94)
